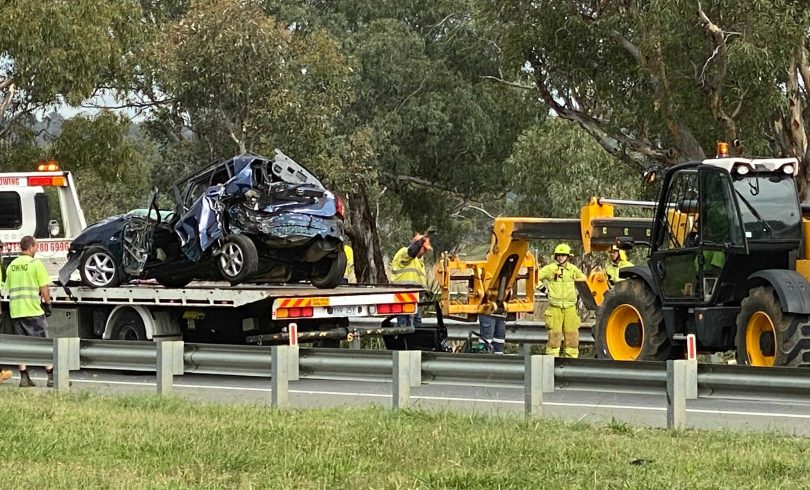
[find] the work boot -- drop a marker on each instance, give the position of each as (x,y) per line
(571,352)
(25,380)
(4,375)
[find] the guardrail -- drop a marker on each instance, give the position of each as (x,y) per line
(518,332)
(170,358)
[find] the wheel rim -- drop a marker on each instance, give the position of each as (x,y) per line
(624,333)
(99,269)
(760,340)
(231,259)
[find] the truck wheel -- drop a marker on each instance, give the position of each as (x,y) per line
(98,268)
(328,273)
(238,259)
(629,324)
(128,326)
(768,337)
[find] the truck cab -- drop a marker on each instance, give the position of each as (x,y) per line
(45,205)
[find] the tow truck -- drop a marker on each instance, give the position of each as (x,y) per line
(201,312)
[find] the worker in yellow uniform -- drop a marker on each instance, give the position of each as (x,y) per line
(562,320)
(617,260)
(4,373)
(29,300)
(348,275)
(408,267)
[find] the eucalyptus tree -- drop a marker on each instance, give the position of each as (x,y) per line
(662,81)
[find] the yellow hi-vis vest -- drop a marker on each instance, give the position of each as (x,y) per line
(560,282)
(25,276)
(612,270)
(407,270)
(349,251)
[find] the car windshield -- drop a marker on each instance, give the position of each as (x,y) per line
(769,207)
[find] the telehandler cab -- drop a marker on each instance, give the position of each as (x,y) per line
(728,262)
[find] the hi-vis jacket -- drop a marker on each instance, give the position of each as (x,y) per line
(407,270)
(25,275)
(560,283)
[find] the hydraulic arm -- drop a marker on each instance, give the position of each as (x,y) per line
(491,286)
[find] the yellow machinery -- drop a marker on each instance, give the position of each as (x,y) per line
(490,286)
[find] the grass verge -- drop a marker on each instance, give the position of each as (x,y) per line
(53,441)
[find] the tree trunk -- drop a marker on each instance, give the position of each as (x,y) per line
(362,231)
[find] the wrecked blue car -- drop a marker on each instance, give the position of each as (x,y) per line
(247,219)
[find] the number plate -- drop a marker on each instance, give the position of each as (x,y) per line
(344,310)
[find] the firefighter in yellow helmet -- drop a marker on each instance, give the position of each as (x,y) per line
(617,259)
(562,320)
(407,267)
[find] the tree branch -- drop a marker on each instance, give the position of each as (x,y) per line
(617,144)
(714,88)
(511,84)
(128,105)
(6,101)
(418,89)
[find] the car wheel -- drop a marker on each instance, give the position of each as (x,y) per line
(238,259)
(98,268)
(328,272)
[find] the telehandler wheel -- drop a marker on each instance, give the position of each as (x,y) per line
(768,337)
(630,325)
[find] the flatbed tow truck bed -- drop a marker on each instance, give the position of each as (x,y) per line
(219,312)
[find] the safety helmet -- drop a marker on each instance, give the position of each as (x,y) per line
(615,248)
(562,249)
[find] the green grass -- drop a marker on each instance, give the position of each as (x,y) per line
(52,441)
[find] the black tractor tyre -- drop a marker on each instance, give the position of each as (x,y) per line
(128,326)
(333,274)
(98,268)
(630,325)
(766,336)
(238,259)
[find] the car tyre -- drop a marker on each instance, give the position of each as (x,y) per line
(174,280)
(333,275)
(238,259)
(98,268)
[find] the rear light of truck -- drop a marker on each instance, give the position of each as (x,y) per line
(44,181)
(305,312)
(396,308)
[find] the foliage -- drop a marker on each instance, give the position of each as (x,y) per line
(556,167)
(244,77)
(61,50)
(662,81)
(109,163)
